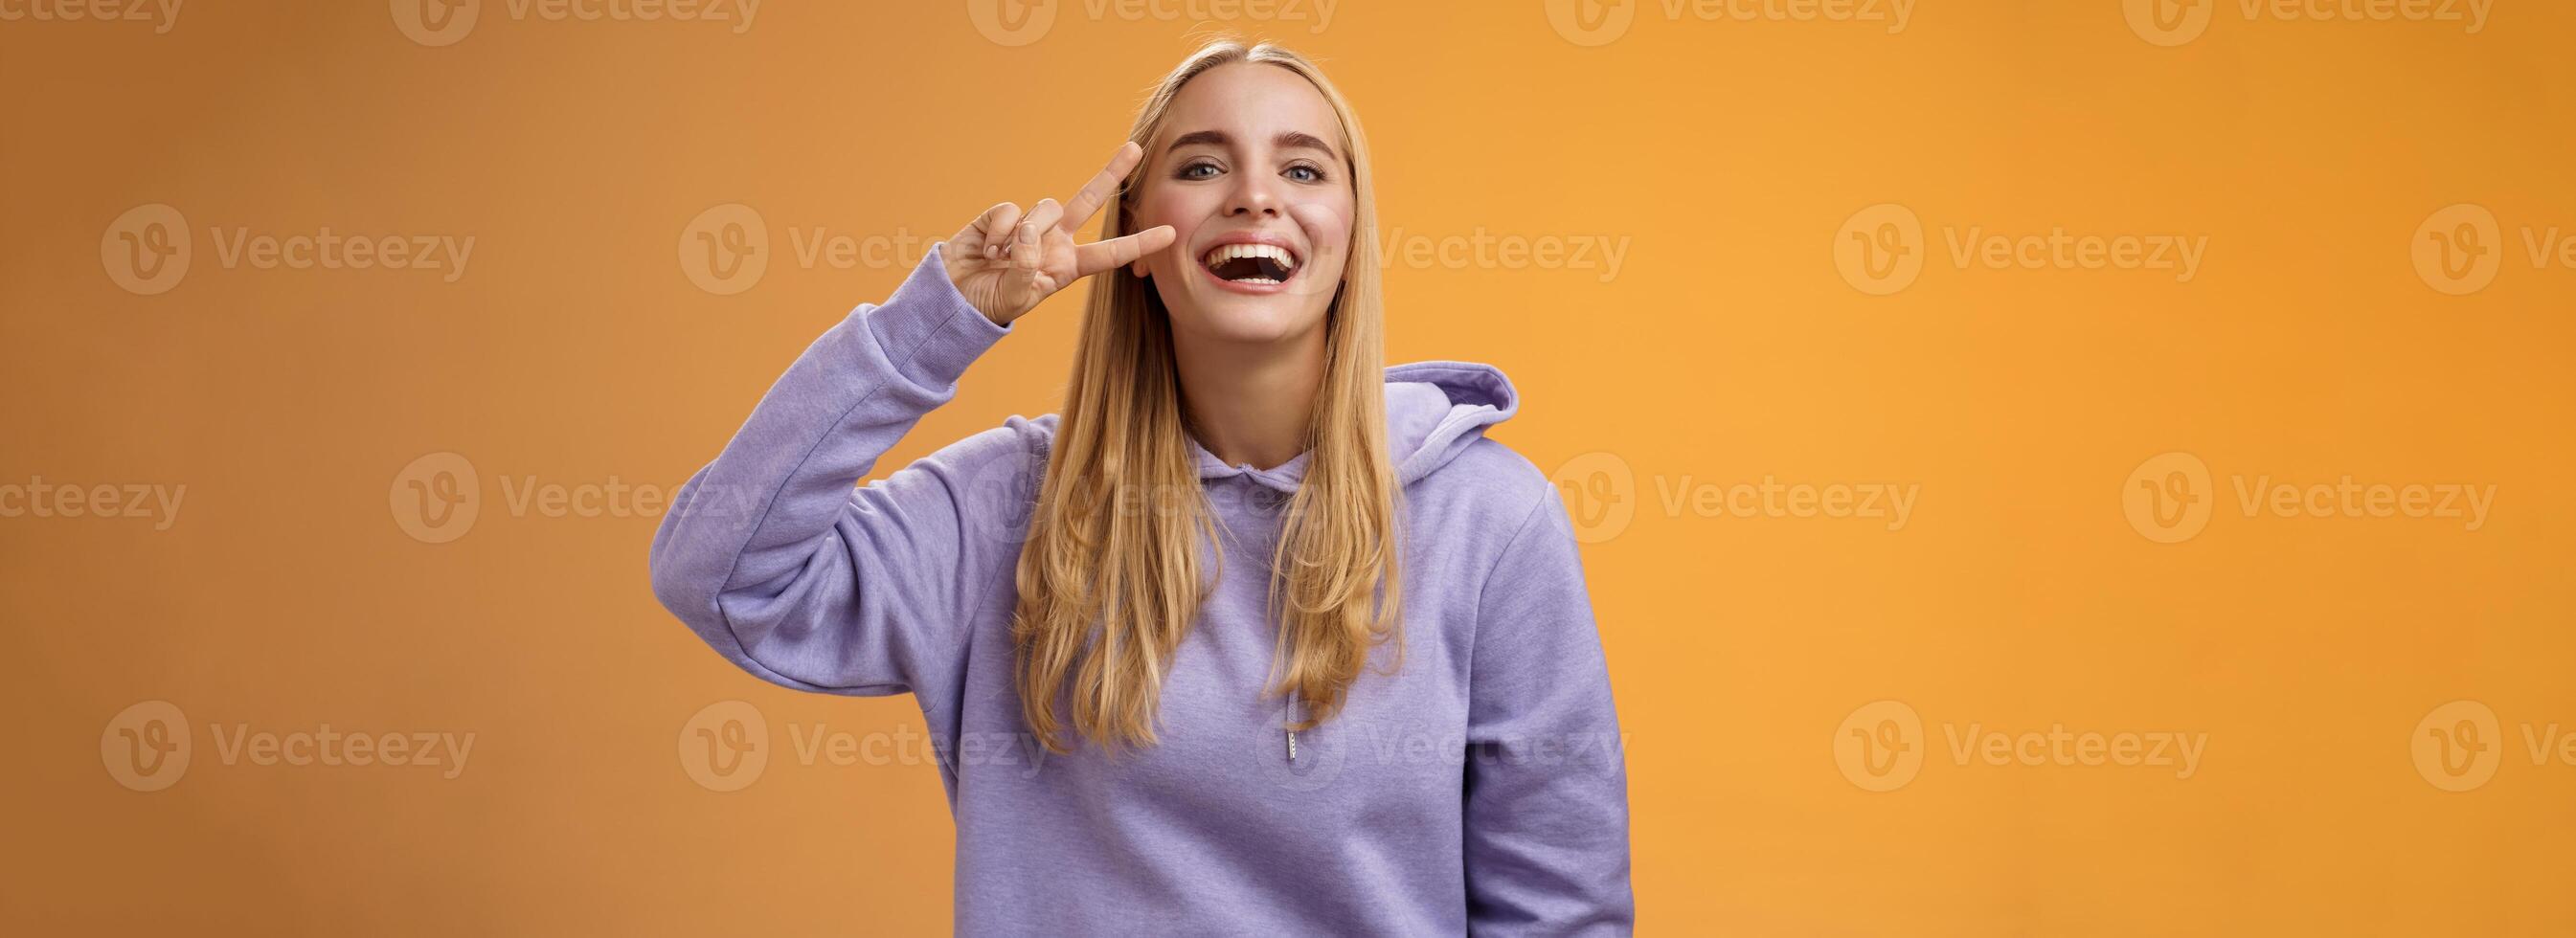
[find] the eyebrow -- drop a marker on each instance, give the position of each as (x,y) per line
(1287,140)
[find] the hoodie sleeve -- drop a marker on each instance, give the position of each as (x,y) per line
(774,560)
(1547,782)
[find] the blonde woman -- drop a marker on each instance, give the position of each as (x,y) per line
(1257,636)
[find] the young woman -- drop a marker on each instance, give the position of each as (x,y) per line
(1257,636)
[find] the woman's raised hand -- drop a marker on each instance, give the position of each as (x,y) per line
(1006,261)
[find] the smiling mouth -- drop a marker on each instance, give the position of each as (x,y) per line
(1254,265)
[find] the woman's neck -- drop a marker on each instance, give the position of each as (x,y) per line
(1251,403)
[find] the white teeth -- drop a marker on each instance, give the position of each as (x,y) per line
(1226,252)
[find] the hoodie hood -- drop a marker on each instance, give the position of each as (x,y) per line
(1434,411)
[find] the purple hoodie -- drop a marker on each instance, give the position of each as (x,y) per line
(1483,789)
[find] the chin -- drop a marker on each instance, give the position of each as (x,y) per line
(1245,319)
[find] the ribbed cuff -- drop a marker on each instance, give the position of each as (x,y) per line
(928,329)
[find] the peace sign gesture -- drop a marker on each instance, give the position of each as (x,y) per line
(1005,262)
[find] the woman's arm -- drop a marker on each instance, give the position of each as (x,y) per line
(1547,780)
(772,558)
(778,565)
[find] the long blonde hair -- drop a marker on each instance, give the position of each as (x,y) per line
(1113,569)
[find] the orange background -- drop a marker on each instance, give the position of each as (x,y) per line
(286,593)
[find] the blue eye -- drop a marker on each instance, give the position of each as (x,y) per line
(1311,173)
(1192,171)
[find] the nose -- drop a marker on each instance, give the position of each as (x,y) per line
(1254,197)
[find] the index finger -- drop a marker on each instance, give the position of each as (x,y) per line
(1086,203)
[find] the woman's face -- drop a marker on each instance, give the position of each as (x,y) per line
(1249,172)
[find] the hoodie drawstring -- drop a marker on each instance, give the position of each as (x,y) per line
(1292,734)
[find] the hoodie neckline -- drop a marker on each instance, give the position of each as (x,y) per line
(1283,477)
(1434,411)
